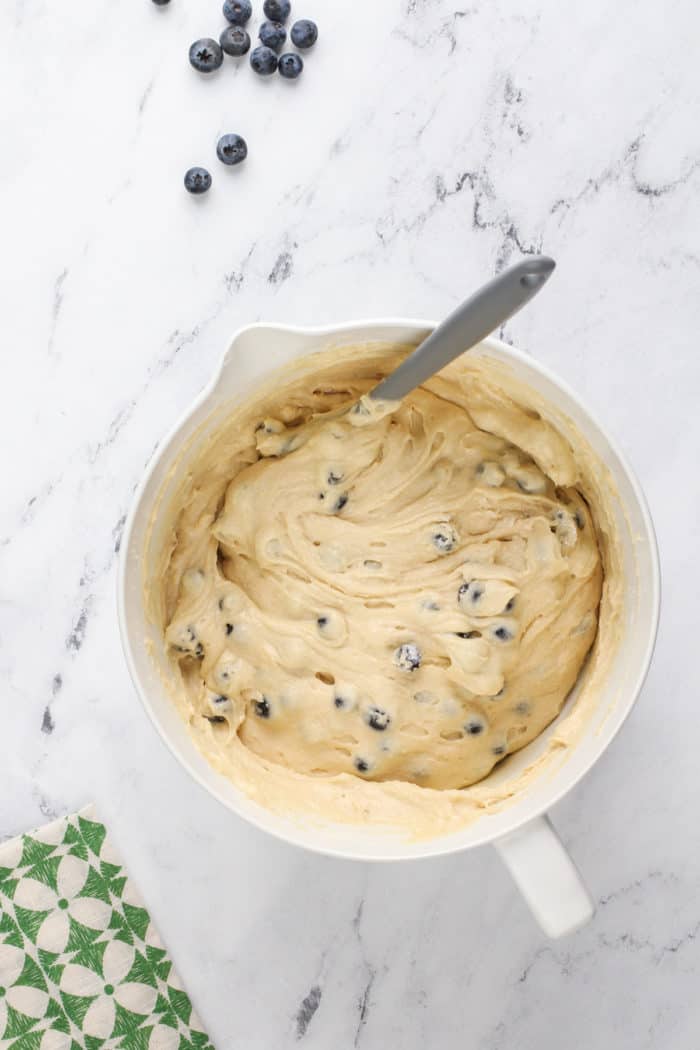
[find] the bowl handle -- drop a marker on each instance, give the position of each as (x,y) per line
(547,877)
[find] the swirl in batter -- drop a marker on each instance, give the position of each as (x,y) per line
(404,595)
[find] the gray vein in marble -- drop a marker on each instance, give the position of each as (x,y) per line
(36,502)
(47,808)
(58,295)
(75,639)
(627,164)
(176,342)
(234,280)
(482,190)
(117,533)
(681,942)
(47,722)
(146,95)
(282,269)
(637,884)
(447,30)
(364,1002)
(305,1014)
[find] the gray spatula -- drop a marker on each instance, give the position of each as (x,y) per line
(488,308)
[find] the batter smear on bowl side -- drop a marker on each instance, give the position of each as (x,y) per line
(405,596)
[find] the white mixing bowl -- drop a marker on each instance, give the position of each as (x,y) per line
(520,831)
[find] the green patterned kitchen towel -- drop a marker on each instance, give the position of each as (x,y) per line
(81,964)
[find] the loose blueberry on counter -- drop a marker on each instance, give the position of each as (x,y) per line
(206,55)
(197,180)
(407,657)
(340,503)
(237,11)
(290,66)
(304,33)
(361,765)
(234,40)
(272,34)
(262,708)
(277,10)
(502,633)
(231,149)
(377,719)
(474,727)
(263,60)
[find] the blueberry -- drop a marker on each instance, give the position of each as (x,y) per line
(470,592)
(340,702)
(321,622)
(215,720)
(199,651)
(197,180)
(378,719)
(304,33)
(407,657)
(290,66)
(502,633)
(234,41)
(262,708)
(263,60)
(510,605)
(277,10)
(340,502)
(444,539)
(361,765)
(188,636)
(272,34)
(237,11)
(231,149)
(474,727)
(499,749)
(229,629)
(206,55)
(334,477)
(220,700)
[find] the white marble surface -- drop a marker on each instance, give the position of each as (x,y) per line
(426,145)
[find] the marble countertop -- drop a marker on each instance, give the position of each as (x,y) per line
(427,145)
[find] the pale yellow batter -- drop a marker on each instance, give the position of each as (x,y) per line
(406,596)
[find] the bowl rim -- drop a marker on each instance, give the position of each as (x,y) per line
(441,846)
